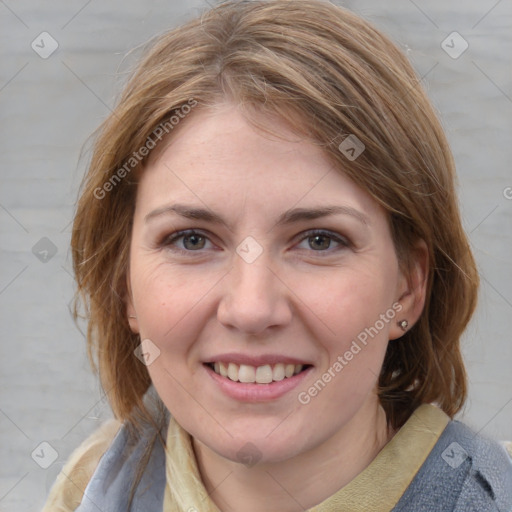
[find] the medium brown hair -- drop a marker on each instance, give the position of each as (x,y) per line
(336,75)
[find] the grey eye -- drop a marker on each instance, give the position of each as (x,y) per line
(193,242)
(319,242)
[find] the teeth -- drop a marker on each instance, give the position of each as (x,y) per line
(233,371)
(261,375)
(278,373)
(246,373)
(289,370)
(264,374)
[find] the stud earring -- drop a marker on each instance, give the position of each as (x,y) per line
(403,324)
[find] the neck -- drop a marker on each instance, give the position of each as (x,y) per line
(301,482)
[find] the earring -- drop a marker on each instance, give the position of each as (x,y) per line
(403,324)
(131,316)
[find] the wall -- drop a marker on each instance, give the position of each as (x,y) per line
(49,106)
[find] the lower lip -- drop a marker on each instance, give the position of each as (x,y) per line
(252,392)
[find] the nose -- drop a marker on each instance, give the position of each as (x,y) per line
(254,298)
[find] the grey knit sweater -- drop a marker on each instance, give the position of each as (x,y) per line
(463,473)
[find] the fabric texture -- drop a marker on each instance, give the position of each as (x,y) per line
(380,486)
(431,464)
(110,488)
(67,491)
(463,473)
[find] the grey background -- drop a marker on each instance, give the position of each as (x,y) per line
(50,106)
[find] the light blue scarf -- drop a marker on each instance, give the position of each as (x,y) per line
(463,473)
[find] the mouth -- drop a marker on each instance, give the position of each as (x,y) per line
(264,374)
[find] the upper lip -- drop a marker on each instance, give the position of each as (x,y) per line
(260,360)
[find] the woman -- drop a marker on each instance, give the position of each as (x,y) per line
(270,250)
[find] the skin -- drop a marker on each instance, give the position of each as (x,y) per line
(303,296)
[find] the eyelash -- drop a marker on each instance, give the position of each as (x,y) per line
(169,240)
(343,242)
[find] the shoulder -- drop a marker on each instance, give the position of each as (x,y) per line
(465,472)
(489,480)
(67,492)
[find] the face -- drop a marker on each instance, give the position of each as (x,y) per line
(269,284)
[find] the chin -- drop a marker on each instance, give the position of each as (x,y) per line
(250,448)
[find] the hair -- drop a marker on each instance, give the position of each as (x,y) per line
(335,75)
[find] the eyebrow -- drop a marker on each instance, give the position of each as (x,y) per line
(291,216)
(299,214)
(188,212)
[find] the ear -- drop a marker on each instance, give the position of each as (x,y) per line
(412,289)
(130,309)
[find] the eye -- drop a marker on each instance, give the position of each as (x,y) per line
(321,241)
(193,242)
(187,241)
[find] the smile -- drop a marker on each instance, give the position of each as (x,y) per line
(264,374)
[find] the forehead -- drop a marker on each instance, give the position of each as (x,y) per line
(222,136)
(220,159)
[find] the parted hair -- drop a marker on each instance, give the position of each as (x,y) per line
(332,75)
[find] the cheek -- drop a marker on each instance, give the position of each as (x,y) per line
(172,310)
(353,341)
(155,300)
(159,290)
(350,300)
(172,306)
(355,309)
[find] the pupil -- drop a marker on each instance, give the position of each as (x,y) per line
(319,242)
(193,242)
